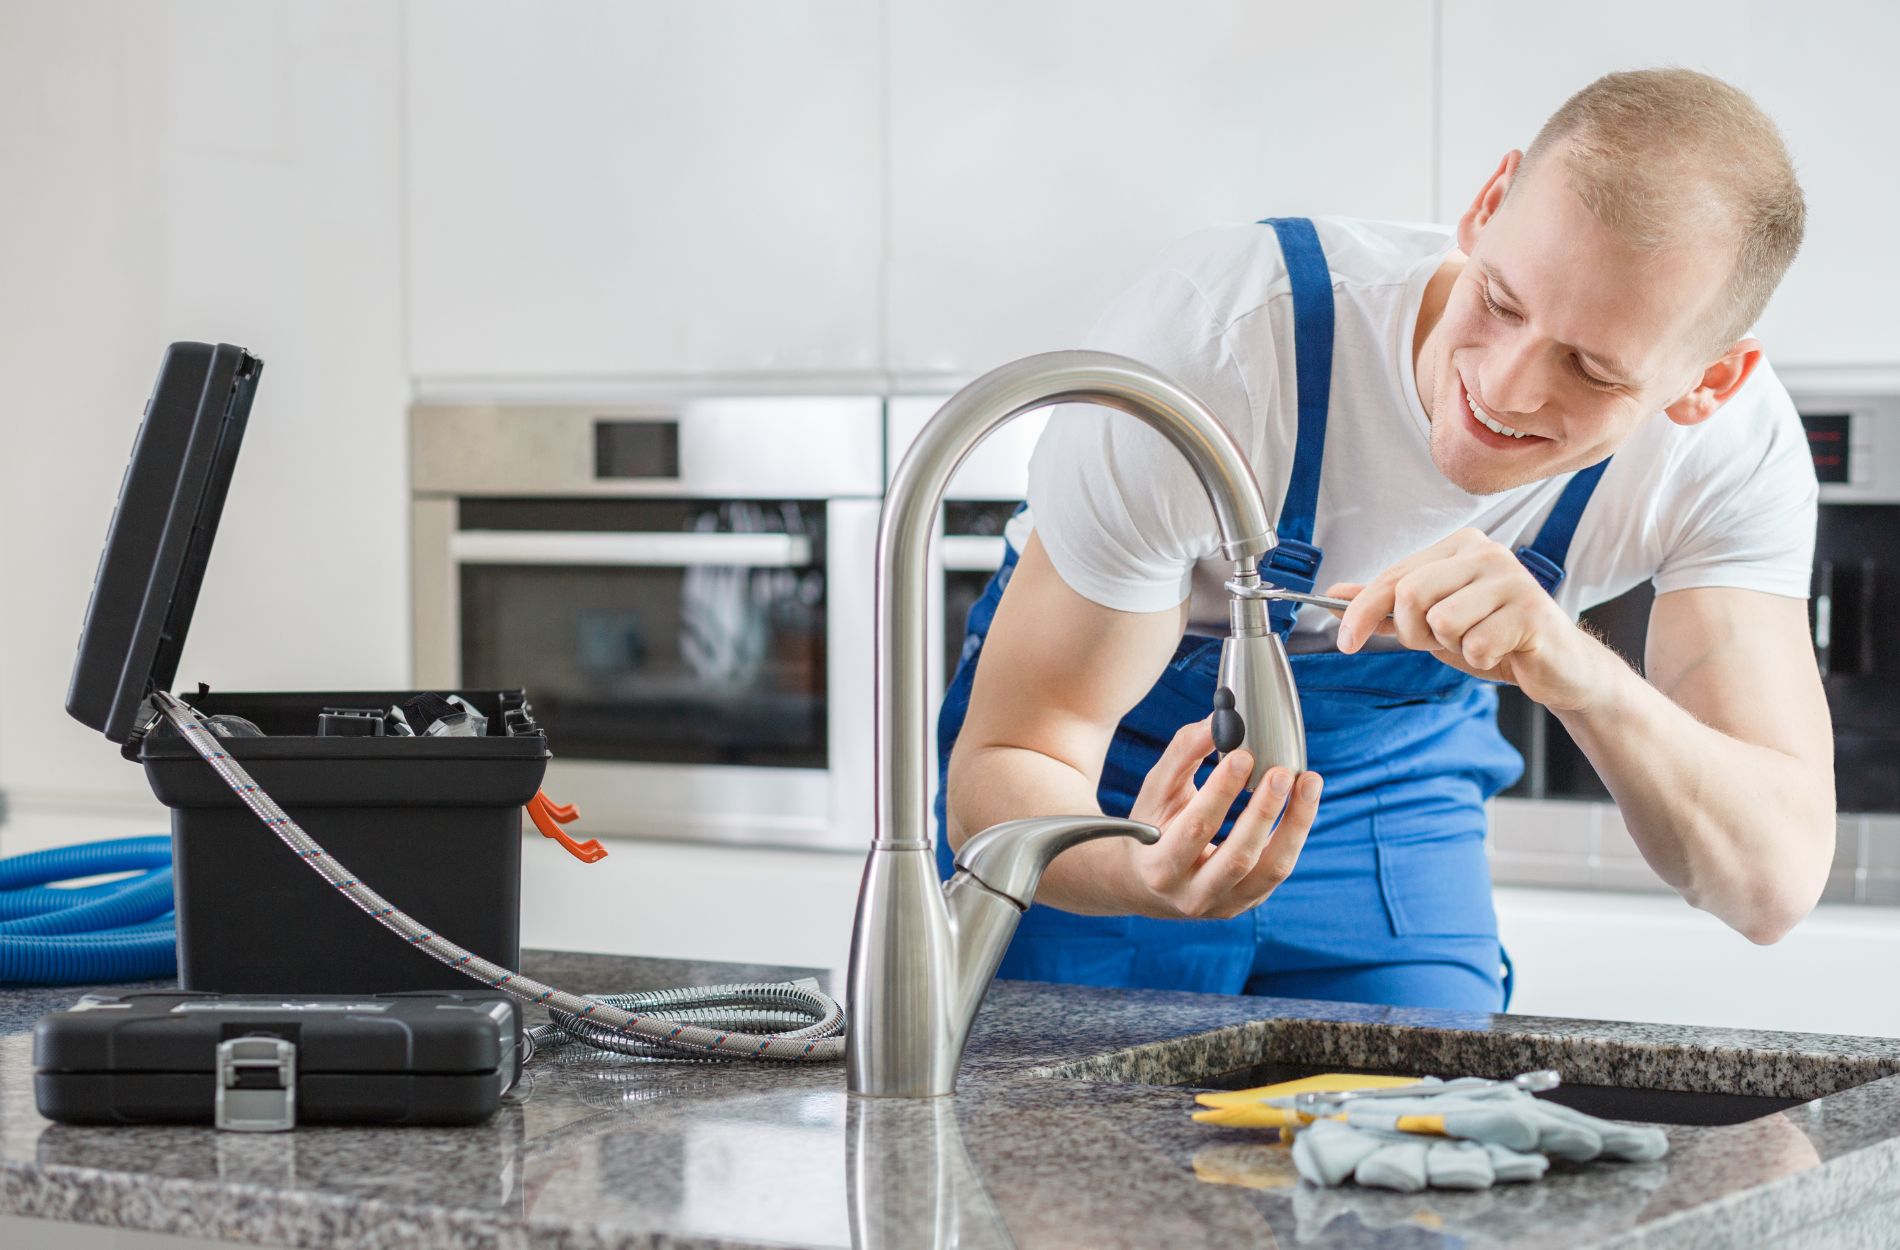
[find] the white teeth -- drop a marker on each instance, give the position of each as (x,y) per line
(1496,427)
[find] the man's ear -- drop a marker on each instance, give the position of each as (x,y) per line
(1490,199)
(1717,384)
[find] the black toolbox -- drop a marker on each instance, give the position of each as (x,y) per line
(431,823)
(270,1063)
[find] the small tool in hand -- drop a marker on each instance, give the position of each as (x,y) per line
(1274,593)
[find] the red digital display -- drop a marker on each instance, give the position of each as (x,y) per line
(1827,443)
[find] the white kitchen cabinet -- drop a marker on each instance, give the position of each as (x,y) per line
(642,188)
(685,900)
(201,170)
(1606,955)
(1822,70)
(1042,155)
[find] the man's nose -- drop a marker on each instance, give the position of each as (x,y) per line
(1512,380)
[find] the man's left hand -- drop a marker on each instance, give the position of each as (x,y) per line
(1468,601)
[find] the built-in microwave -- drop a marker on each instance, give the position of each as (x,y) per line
(685,591)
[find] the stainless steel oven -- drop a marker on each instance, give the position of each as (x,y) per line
(984,494)
(685,592)
(1558,825)
(1854,612)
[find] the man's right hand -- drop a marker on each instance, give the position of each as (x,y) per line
(1184,875)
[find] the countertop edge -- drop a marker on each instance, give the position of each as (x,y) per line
(239,1212)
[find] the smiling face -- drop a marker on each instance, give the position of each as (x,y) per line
(1556,337)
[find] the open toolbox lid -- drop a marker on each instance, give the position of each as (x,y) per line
(160,539)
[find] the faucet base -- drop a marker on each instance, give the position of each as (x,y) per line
(900,1041)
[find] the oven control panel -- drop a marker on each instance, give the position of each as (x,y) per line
(1855,441)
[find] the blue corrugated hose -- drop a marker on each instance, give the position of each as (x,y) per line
(76,935)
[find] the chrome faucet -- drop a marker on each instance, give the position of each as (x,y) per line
(922,954)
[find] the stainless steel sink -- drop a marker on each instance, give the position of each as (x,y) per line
(1649,1106)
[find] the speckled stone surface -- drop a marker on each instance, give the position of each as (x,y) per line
(1063,1133)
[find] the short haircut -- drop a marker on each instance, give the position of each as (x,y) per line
(1669,156)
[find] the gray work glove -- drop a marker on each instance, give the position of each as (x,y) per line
(1487,1137)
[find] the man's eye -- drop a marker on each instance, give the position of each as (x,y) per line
(1590,379)
(1497,309)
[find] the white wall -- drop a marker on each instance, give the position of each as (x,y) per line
(1042,154)
(651,188)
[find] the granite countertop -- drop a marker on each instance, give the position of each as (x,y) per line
(1064,1133)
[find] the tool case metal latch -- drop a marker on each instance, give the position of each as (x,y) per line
(257,1085)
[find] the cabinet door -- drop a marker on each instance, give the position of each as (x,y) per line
(1603,955)
(642,188)
(1041,155)
(1824,74)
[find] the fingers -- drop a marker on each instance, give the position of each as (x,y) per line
(1190,745)
(1257,856)
(1361,618)
(1486,643)
(1342,590)
(1215,882)
(1379,596)
(1419,593)
(1352,590)
(1184,838)
(1169,785)
(1289,838)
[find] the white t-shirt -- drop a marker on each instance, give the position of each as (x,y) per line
(1729,502)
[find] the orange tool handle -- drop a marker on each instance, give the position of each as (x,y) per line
(549,816)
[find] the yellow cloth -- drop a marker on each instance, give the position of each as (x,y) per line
(1246,1108)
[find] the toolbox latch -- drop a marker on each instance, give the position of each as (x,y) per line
(257,1085)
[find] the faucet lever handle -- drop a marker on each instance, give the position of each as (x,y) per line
(1009,858)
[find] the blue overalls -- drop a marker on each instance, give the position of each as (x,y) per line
(1390,901)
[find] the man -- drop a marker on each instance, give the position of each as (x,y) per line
(1433,421)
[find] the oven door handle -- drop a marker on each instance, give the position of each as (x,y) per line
(971,553)
(682,550)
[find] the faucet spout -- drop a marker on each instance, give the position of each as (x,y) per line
(907,1016)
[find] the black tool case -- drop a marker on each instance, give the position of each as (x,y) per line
(431,823)
(270,1063)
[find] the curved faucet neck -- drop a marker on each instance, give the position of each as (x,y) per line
(909,522)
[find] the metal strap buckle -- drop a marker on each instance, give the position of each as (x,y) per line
(257,1085)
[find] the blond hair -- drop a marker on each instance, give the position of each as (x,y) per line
(1670,156)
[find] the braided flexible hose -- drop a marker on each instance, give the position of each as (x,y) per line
(634,1031)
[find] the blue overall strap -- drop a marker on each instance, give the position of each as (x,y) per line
(1544,555)
(1295,562)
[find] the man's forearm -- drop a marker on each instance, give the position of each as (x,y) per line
(1740,830)
(990,785)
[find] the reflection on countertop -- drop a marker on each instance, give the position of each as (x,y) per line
(1064,1132)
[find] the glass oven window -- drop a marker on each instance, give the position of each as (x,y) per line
(696,637)
(1851,615)
(963,586)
